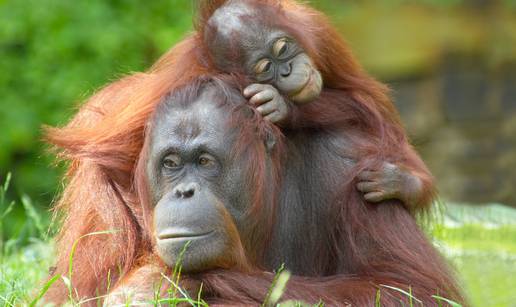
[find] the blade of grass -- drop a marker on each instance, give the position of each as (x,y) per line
(178,266)
(6,185)
(92,299)
(176,286)
(72,253)
(44,289)
(32,213)
(8,209)
(277,286)
(410,297)
(3,192)
(199,293)
(6,301)
(452,303)
(403,292)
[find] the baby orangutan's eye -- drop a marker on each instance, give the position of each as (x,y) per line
(280,46)
(263,66)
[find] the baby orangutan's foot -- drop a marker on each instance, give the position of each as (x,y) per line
(390,182)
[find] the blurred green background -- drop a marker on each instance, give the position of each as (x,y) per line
(451,64)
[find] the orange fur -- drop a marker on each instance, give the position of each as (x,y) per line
(104,141)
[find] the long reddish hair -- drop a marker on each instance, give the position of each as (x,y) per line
(351,97)
(107,190)
(104,142)
(102,145)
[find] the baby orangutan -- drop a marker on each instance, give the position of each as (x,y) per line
(241,39)
(270,57)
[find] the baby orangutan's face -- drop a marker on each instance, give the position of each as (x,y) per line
(286,66)
(267,55)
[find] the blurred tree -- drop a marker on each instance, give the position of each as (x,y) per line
(54,54)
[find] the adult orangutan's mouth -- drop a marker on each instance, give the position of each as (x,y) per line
(182,234)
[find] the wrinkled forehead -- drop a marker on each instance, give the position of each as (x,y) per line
(204,118)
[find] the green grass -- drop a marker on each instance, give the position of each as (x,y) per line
(21,272)
(480,243)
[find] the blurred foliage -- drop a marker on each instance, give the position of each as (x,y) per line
(56,53)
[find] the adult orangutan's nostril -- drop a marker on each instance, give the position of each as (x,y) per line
(185,190)
(178,193)
(188,193)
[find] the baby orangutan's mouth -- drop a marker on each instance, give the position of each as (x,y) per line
(310,90)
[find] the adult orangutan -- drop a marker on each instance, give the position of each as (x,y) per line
(289,46)
(273,43)
(208,160)
(105,140)
(170,173)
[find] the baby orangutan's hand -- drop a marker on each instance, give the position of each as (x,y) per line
(268,101)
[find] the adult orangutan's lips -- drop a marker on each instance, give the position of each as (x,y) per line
(172,233)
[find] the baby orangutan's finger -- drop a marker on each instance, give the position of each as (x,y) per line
(255,88)
(375,197)
(275,117)
(368,175)
(267,108)
(261,97)
(367,186)
(252,89)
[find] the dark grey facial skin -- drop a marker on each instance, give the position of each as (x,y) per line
(267,55)
(193,182)
(193,200)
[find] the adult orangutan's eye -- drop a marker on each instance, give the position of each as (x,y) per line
(262,66)
(280,46)
(206,161)
(171,161)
